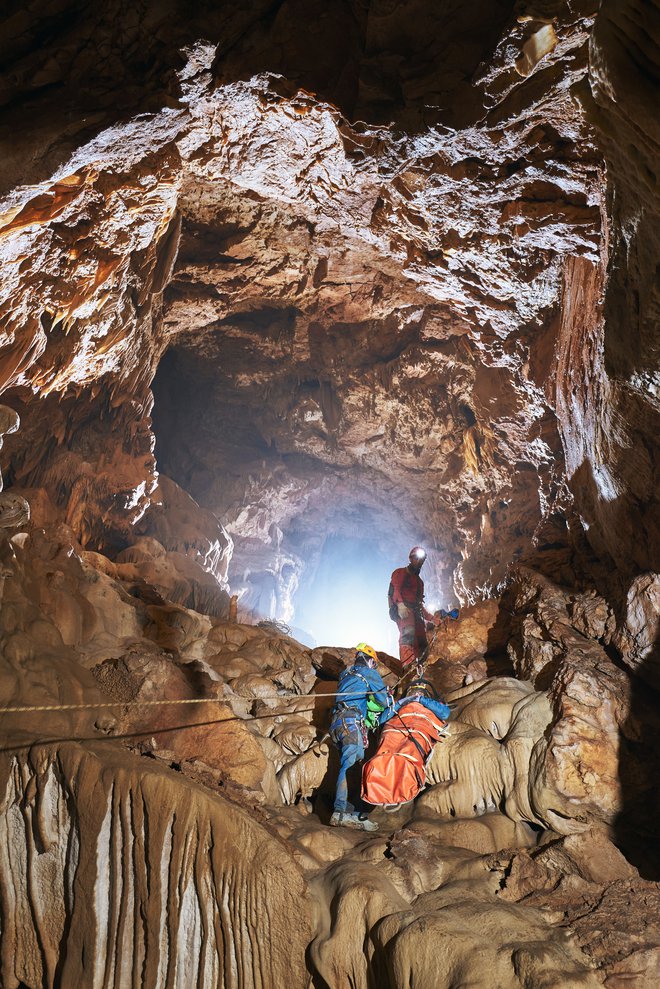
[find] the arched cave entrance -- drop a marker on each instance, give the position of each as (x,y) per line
(316,536)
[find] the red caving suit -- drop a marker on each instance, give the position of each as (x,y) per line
(407,587)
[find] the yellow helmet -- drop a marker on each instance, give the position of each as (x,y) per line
(367,651)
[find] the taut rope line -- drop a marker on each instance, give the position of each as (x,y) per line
(23,709)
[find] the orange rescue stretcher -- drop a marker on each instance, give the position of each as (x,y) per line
(396,773)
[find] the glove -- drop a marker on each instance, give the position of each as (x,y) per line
(430,626)
(402,609)
(453,614)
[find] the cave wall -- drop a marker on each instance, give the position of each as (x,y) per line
(425,201)
(157,845)
(117,876)
(607,388)
(420,288)
(394,296)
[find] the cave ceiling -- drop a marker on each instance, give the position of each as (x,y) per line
(345,249)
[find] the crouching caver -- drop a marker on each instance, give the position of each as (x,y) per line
(362,698)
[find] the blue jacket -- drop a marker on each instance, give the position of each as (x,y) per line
(435,707)
(356,683)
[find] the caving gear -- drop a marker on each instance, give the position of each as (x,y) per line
(453,614)
(406,607)
(422,659)
(346,722)
(374,711)
(349,734)
(417,555)
(359,822)
(356,684)
(422,686)
(360,687)
(407,588)
(369,654)
(396,773)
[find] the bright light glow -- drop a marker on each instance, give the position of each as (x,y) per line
(346,600)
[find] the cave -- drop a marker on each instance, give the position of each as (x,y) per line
(258,446)
(287,289)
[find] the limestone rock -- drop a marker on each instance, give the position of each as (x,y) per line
(365,274)
(638,633)
(437,942)
(468,637)
(609,907)
(187,269)
(73,822)
(303,775)
(591,615)
(178,524)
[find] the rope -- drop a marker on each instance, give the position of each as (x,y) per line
(191,700)
(273,625)
(30,708)
(418,666)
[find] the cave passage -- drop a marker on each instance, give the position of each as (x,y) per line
(316,537)
(344,600)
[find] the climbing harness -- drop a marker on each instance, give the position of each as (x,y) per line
(345,724)
(360,722)
(422,661)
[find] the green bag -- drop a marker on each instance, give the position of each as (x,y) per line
(374,710)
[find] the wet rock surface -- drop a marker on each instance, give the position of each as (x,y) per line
(391,293)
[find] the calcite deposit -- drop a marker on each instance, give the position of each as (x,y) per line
(282,283)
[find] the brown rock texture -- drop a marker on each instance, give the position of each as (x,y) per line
(117,875)
(383,291)
(213,799)
(280,283)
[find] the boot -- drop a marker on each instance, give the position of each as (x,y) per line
(358,822)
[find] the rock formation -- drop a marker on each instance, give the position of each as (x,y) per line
(277,276)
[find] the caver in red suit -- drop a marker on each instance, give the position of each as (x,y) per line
(406,601)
